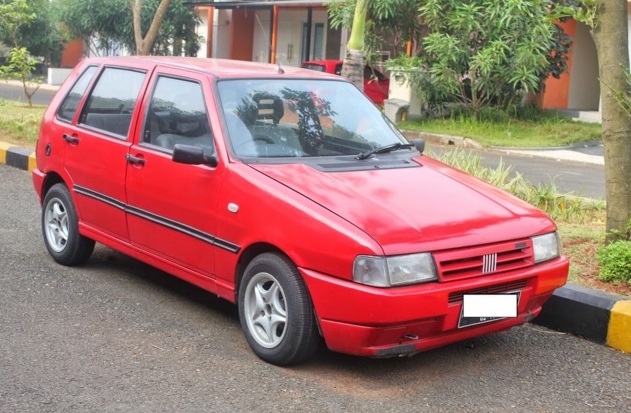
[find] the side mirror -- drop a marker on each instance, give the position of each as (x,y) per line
(192,155)
(419,144)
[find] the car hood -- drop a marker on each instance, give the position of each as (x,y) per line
(430,207)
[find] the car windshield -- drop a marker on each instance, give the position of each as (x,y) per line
(269,118)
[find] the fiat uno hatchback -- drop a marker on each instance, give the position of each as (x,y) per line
(287,192)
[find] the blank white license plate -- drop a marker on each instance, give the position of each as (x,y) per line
(484,308)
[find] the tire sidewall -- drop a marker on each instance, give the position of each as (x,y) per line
(286,275)
(68,255)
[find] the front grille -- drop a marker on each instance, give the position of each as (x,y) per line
(518,285)
(489,259)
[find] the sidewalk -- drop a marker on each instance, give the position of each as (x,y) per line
(559,155)
(43,86)
(581,153)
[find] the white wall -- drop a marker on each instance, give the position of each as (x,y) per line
(202,32)
(289,42)
(584,85)
(221,34)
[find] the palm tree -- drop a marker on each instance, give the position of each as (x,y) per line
(353,66)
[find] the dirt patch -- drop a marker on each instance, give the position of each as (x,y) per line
(584,266)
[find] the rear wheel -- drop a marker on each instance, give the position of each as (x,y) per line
(60,226)
(276,312)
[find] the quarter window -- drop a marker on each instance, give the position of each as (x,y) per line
(177,115)
(69,106)
(111,104)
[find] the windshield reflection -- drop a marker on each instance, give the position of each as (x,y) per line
(301,118)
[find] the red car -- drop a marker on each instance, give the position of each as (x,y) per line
(289,193)
(376,84)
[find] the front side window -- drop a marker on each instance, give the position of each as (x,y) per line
(269,118)
(111,104)
(68,108)
(177,115)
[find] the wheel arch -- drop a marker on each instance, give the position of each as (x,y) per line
(251,252)
(52,178)
(248,254)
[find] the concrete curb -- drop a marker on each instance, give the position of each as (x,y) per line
(595,315)
(446,140)
(17,157)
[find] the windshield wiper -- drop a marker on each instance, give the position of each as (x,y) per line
(384,149)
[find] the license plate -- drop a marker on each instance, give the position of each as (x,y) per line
(484,308)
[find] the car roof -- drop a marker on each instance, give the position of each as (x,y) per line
(218,68)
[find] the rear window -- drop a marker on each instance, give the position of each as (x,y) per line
(69,106)
(312,66)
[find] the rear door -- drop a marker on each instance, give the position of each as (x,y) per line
(97,147)
(172,205)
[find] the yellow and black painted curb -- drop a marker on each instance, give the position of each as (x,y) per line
(595,315)
(17,157)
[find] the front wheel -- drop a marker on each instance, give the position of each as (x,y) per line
(60,226)
(276,312)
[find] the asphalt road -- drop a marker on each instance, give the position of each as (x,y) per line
(118,336)
(574,178)
(11,92)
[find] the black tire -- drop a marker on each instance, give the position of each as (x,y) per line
(60,227)
(280,326)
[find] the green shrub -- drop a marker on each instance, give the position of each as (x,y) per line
(615,262)
(566,208)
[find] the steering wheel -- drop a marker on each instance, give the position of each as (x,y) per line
(263,138)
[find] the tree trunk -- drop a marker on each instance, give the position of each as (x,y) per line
(144,45)
(610,37)
(353,66)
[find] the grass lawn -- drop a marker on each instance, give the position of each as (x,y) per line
(547,130)
(19,124)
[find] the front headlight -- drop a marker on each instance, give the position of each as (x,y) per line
(394,271)
(546,247)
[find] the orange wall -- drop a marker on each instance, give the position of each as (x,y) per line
(72,53)
(242,34)
(557,91)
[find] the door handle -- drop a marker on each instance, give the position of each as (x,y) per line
(134,160)
(71,139)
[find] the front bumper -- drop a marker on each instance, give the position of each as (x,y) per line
(385,322)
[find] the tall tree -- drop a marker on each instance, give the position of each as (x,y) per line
(145,44)
(14,15)
(353,66)
(390,24)
(608,19)
(105,24)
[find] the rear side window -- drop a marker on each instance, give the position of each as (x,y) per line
(313,66)
(177,114)
(111,104)
(69,106)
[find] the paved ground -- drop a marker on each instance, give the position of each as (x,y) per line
(118,336)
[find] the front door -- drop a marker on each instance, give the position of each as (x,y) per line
(171,211)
